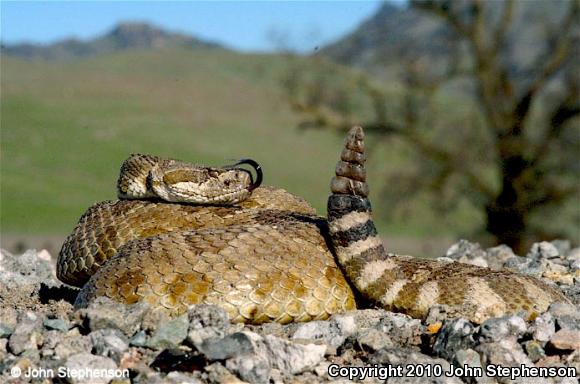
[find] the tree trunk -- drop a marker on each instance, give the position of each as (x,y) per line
(506,214)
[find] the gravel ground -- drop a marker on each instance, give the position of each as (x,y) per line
(43,340)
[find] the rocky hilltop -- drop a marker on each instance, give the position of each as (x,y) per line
(129,35)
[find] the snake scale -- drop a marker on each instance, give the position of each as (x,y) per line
(263,254)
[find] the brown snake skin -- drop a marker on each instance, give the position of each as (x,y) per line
(271,258)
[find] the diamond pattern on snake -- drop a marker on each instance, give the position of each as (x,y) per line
(182,234)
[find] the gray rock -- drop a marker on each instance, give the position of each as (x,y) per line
(372,339)
(292,358)
(567,315)
(544,327)
(499,328)
(333,332)
(534,350)
(250,368)
(236,344)
(470,358)
(31,267)
(205,322)
(405,356)
(252,356)
(574,265)
(181,378)
(466,252)
(455,335)
(139,339)
(8,317)
(27,334)
(563,246)
(169,334)
(81,362)
(403,329)
(105,313)
(543,250)
(70,343)
(5,331)
(109,343)
(566,339)
(507,353)
(56,324)
(497,256)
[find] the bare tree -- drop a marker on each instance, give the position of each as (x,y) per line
(529,157)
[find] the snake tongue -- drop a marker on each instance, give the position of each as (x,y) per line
(255,166)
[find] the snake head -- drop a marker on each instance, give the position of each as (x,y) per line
(257,167)
(185,183)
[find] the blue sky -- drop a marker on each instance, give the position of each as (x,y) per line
(243,25)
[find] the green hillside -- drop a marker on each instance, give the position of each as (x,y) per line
(67,126)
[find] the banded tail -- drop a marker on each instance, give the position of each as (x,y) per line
(358,247)
(412,285)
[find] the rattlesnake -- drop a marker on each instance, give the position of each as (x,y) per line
(268,256)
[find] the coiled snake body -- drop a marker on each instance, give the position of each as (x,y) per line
(263,254)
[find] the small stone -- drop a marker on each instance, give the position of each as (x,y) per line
(239,343)
(333,332)
(252,368)
(543,250)
(499,328)
(8,317)
(139,339)
(27,334)
(405,356)
(454,335)
(205,322)
(82,362)
(470,358)
(56,324)
(534,350)
(373,340)
(105,313)
(544,327)
(169,334)
(497,256)
(71,343)
(109,343)
(464,250)
(506,352)
(566,339)
(5,331)
(291,358)
(563,246)
(403,329)
(567,315)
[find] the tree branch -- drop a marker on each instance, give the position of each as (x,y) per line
(554,59)
(503,26)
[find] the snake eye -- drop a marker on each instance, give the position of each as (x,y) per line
(227,183)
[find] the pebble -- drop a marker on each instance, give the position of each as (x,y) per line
(455,335)
(202,346)
(109,343)
(86,361)
(544,327)
(104,313)
(566,339)
(27,334)
(500,328)
(56,324)
(169,334)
